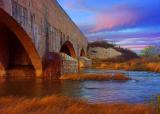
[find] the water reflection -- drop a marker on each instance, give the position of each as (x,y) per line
(29,87)
(39,87)
(143,86)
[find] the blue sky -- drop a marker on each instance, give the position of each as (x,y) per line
(132,24)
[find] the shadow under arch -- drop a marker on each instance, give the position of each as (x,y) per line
(24,39)
(68,48)
(82,52)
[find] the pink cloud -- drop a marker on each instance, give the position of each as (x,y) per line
(117,16)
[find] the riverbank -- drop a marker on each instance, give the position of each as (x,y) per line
(66,105)
(131,65)
(96,77)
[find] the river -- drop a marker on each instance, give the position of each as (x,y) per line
(142,87)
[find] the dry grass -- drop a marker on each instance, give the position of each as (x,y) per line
(65,105)
(99,77)
(132,65)
(152,66)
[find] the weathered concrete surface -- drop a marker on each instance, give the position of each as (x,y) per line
(41,27)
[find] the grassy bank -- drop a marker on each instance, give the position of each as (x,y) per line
(99,77)
(132,65)
(65,105)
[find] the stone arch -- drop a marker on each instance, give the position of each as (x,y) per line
(82,52)
(68,48)
(24,40)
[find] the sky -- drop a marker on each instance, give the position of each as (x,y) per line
(132,24)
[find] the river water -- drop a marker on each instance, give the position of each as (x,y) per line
(142,87)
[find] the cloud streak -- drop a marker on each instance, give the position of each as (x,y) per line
(118,16)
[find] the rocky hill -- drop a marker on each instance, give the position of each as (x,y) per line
(104,50)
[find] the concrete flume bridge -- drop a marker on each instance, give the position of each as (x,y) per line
(30,29)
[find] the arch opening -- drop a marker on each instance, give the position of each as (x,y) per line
(82,52)
(13,54)
(68,48)
(16,47)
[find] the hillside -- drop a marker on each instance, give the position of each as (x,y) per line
(126,54)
